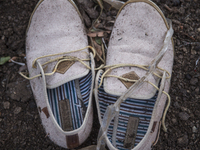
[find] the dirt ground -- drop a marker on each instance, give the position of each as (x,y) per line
(20,125)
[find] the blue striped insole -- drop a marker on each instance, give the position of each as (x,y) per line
(141,108)
(68,91)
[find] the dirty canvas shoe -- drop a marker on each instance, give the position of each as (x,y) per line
(131,94)
(61,71)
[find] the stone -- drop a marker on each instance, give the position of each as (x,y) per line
(194,81)
(17,110)
(197,47)
(197,113)
(194,129)
(193,52)
(198,29)
(6,105)
(176,104)
(32,105)
(188,76)
(176,2)
(192,88)
(180,56)
(181,10)
(176,22)
(184,116)
(1,130)
(183,141)
(197,11)
(193,137)
(20,90)
(197,90)
(174,121)
(185,50)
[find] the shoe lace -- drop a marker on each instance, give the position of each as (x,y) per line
(111,67)
(62,59)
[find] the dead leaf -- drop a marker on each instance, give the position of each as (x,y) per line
(115,3)
(98,25)
(87,20)
(108,28)
(100,3)
(112,21)
(97,34)
(98,40)
(109,18)
(22,55)
(98,49)
(13,58)
(3,60)
(22,68)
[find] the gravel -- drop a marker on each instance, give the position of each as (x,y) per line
(194,81)
(17,110)
(184,116)
(183,141)
(194,129)
(20,124)
(6,105)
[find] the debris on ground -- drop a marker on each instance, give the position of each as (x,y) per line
(3,60)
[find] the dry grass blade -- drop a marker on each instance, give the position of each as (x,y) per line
(100,3)
(115,3)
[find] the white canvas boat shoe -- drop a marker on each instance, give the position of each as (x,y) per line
(131,94)
(61,71)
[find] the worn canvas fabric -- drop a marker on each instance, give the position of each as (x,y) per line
(137,37)
(56,27)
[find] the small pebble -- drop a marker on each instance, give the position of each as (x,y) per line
(185,49)
(176,104)
(176,2)
(193,52)
(17,110)
(182,10)
(32,105)
(197,47)
(184,116)
(194,129)
(188,76)
(194,81)
(6,105)
(174,121)
(197,11)
(183,141)
(198,29)
(180,56)
(1,130)
(193,136)
(197,90)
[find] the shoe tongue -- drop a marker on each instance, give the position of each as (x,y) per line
(66,71)
(117,86)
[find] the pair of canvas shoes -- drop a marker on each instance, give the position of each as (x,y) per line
(130,95)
